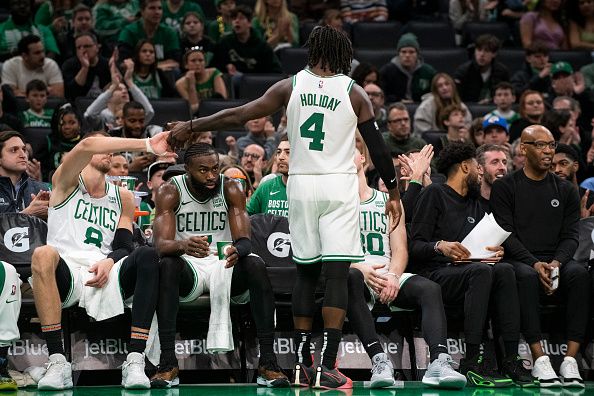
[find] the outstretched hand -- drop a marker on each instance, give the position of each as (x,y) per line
(179,134)
(160,144)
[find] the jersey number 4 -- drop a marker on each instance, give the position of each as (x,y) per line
(312,129)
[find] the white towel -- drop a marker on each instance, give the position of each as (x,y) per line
(220,333)
(105,302)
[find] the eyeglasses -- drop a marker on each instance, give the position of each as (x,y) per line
(252,155)
(397,120)
(540,145)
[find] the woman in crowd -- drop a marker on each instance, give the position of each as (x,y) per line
(532,108)
(192,35)
(581,24)
(276,24)
(147,77)
(443,93)
(563,128)
(544,24)
(199,82)
(66,133)
(365,73)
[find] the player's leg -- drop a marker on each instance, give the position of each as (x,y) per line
(361,320)
(250,274)
(176,279)
(10,307)
(52,284)
(139,276)
(420,293)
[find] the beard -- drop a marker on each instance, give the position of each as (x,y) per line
(202,191)
(474,187)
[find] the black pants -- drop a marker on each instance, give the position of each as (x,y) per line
(139,277)
(416,293)
(473,285)
(574,291)
(177,278)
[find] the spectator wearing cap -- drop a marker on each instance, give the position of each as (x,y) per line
(243,51)
(154,179)
(222,25)
(32,64)
(377,99)
(477,78)
(504,98)
(567,83)
(496,131)
(536,73)
(398,137)
(406,77)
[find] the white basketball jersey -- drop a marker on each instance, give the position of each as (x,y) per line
(374,229)
(194,217)
(82,227)
(321,125)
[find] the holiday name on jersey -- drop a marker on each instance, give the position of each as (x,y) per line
(319,100)
(95,214)
(201,221)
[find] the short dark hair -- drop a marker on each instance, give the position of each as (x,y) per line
(25,42)
(81,8)
(5,135)
(537,47)
(444,114)
(89,34)
(199,150)
(35,85)
(397,106)
(487,42)
(452,155)
(568,151)
(132,105)
(505,85)
(485,148)
(244,10)
(284,137)
(142,4)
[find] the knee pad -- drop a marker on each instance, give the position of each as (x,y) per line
(336,293)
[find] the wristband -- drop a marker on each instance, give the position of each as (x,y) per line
(149,148)
(415,181)
(243,247)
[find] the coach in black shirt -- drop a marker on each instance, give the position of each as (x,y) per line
(542,212)
(443,216)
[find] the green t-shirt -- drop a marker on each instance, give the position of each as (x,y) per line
(150,86)
(165,38)
(30,119)
(11,34)
(213,30)
(111,18)
(45,14)
(174,20)
(205,90)
(270,197)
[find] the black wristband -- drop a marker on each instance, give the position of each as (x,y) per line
(243,247)
(117,255)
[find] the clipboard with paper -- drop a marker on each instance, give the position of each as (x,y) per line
(486,233)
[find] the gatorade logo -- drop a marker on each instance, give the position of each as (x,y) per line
(17,239)
(279,244)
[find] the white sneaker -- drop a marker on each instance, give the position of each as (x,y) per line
(58,374)
(569,373)
(441,374)
(382,371)
(133,376)
(544,373)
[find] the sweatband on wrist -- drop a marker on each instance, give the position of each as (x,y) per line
(243,246)
(416,182)
(149,148)
(380,155)
(122,244)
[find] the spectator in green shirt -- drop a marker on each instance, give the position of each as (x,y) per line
(271,194)
(151,80)
(19,25)
(36,116)
(175,10)
(111,16)
(221,26)
(149,26)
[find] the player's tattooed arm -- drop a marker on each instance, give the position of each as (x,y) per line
(239,222)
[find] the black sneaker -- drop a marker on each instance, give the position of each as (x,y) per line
(513,367)
(7,383)
(303,375)
(326,378)
(271,375)
(478,373)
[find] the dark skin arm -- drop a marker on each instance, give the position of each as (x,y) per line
(239,221)
(166,201)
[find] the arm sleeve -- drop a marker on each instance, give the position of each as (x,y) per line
(380,155)
(122,244)
(141,98)
(569,236)
(502,206)
(409,199)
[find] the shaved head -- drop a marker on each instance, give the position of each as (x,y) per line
(536,132)
(538,145)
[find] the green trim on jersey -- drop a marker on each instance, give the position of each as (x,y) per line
(350,86)
(307,260)
(67,199)
(179,190)
(118,197)
(340,257)
(314,74)
(194,286)
(2,276)
(294,79)
(372,198)
(70,291)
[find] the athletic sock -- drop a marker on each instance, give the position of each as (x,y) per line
(330,347)
(473,351)
(373,349)
(302,341)
(4,352)
(168,358)
(435,350)
(266,341)
(138,339)
(53,338)
(511,348)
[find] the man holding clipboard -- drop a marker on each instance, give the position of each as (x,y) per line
(444,215)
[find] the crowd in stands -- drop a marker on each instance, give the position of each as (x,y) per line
(70,66)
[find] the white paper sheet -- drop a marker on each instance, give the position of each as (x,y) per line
(486,233)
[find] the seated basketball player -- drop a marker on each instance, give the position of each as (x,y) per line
(88,260)
(194,211)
